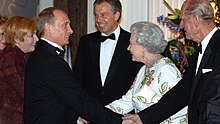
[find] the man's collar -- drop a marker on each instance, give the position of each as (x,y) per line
(52,43)
(116,32)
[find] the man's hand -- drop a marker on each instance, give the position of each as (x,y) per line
(135,119)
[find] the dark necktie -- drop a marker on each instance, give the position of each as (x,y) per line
(199,49)
(61,52)
(104,38)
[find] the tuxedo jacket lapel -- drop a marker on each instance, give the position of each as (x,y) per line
(116,58)
(201,66)
(205,63)
(205,58)
(95,53)
(195,75)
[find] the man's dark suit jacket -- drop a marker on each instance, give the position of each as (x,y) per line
(121,73)
(209,98)
(52,96)
(186,91)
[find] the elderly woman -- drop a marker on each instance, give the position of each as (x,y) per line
(3,20)
(20,39)
(158,75)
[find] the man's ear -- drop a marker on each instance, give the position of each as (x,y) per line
(197,20)
(46,26)
(117,15)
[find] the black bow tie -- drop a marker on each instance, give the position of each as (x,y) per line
(61,52)
(199,49)
(104,38)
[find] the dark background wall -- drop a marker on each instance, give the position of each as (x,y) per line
(77,12)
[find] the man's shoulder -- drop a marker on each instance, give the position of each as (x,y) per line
(41,51)
(124,31)
(92,35)
(215,38)
(124,35)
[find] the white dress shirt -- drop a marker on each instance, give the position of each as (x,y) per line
(106,52)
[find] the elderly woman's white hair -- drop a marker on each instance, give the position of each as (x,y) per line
(150,36)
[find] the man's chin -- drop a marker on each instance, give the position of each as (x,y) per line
(103,29)
(67,42)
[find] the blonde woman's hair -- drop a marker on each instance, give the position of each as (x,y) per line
(16,28)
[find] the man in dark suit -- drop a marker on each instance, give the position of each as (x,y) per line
(103,66)
(52,95)
(209,98)
(197,20)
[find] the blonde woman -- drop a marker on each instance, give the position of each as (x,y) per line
(20,39)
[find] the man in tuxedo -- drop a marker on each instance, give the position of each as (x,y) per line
(103,65)
(197,20)
(52,96)
(209,98)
